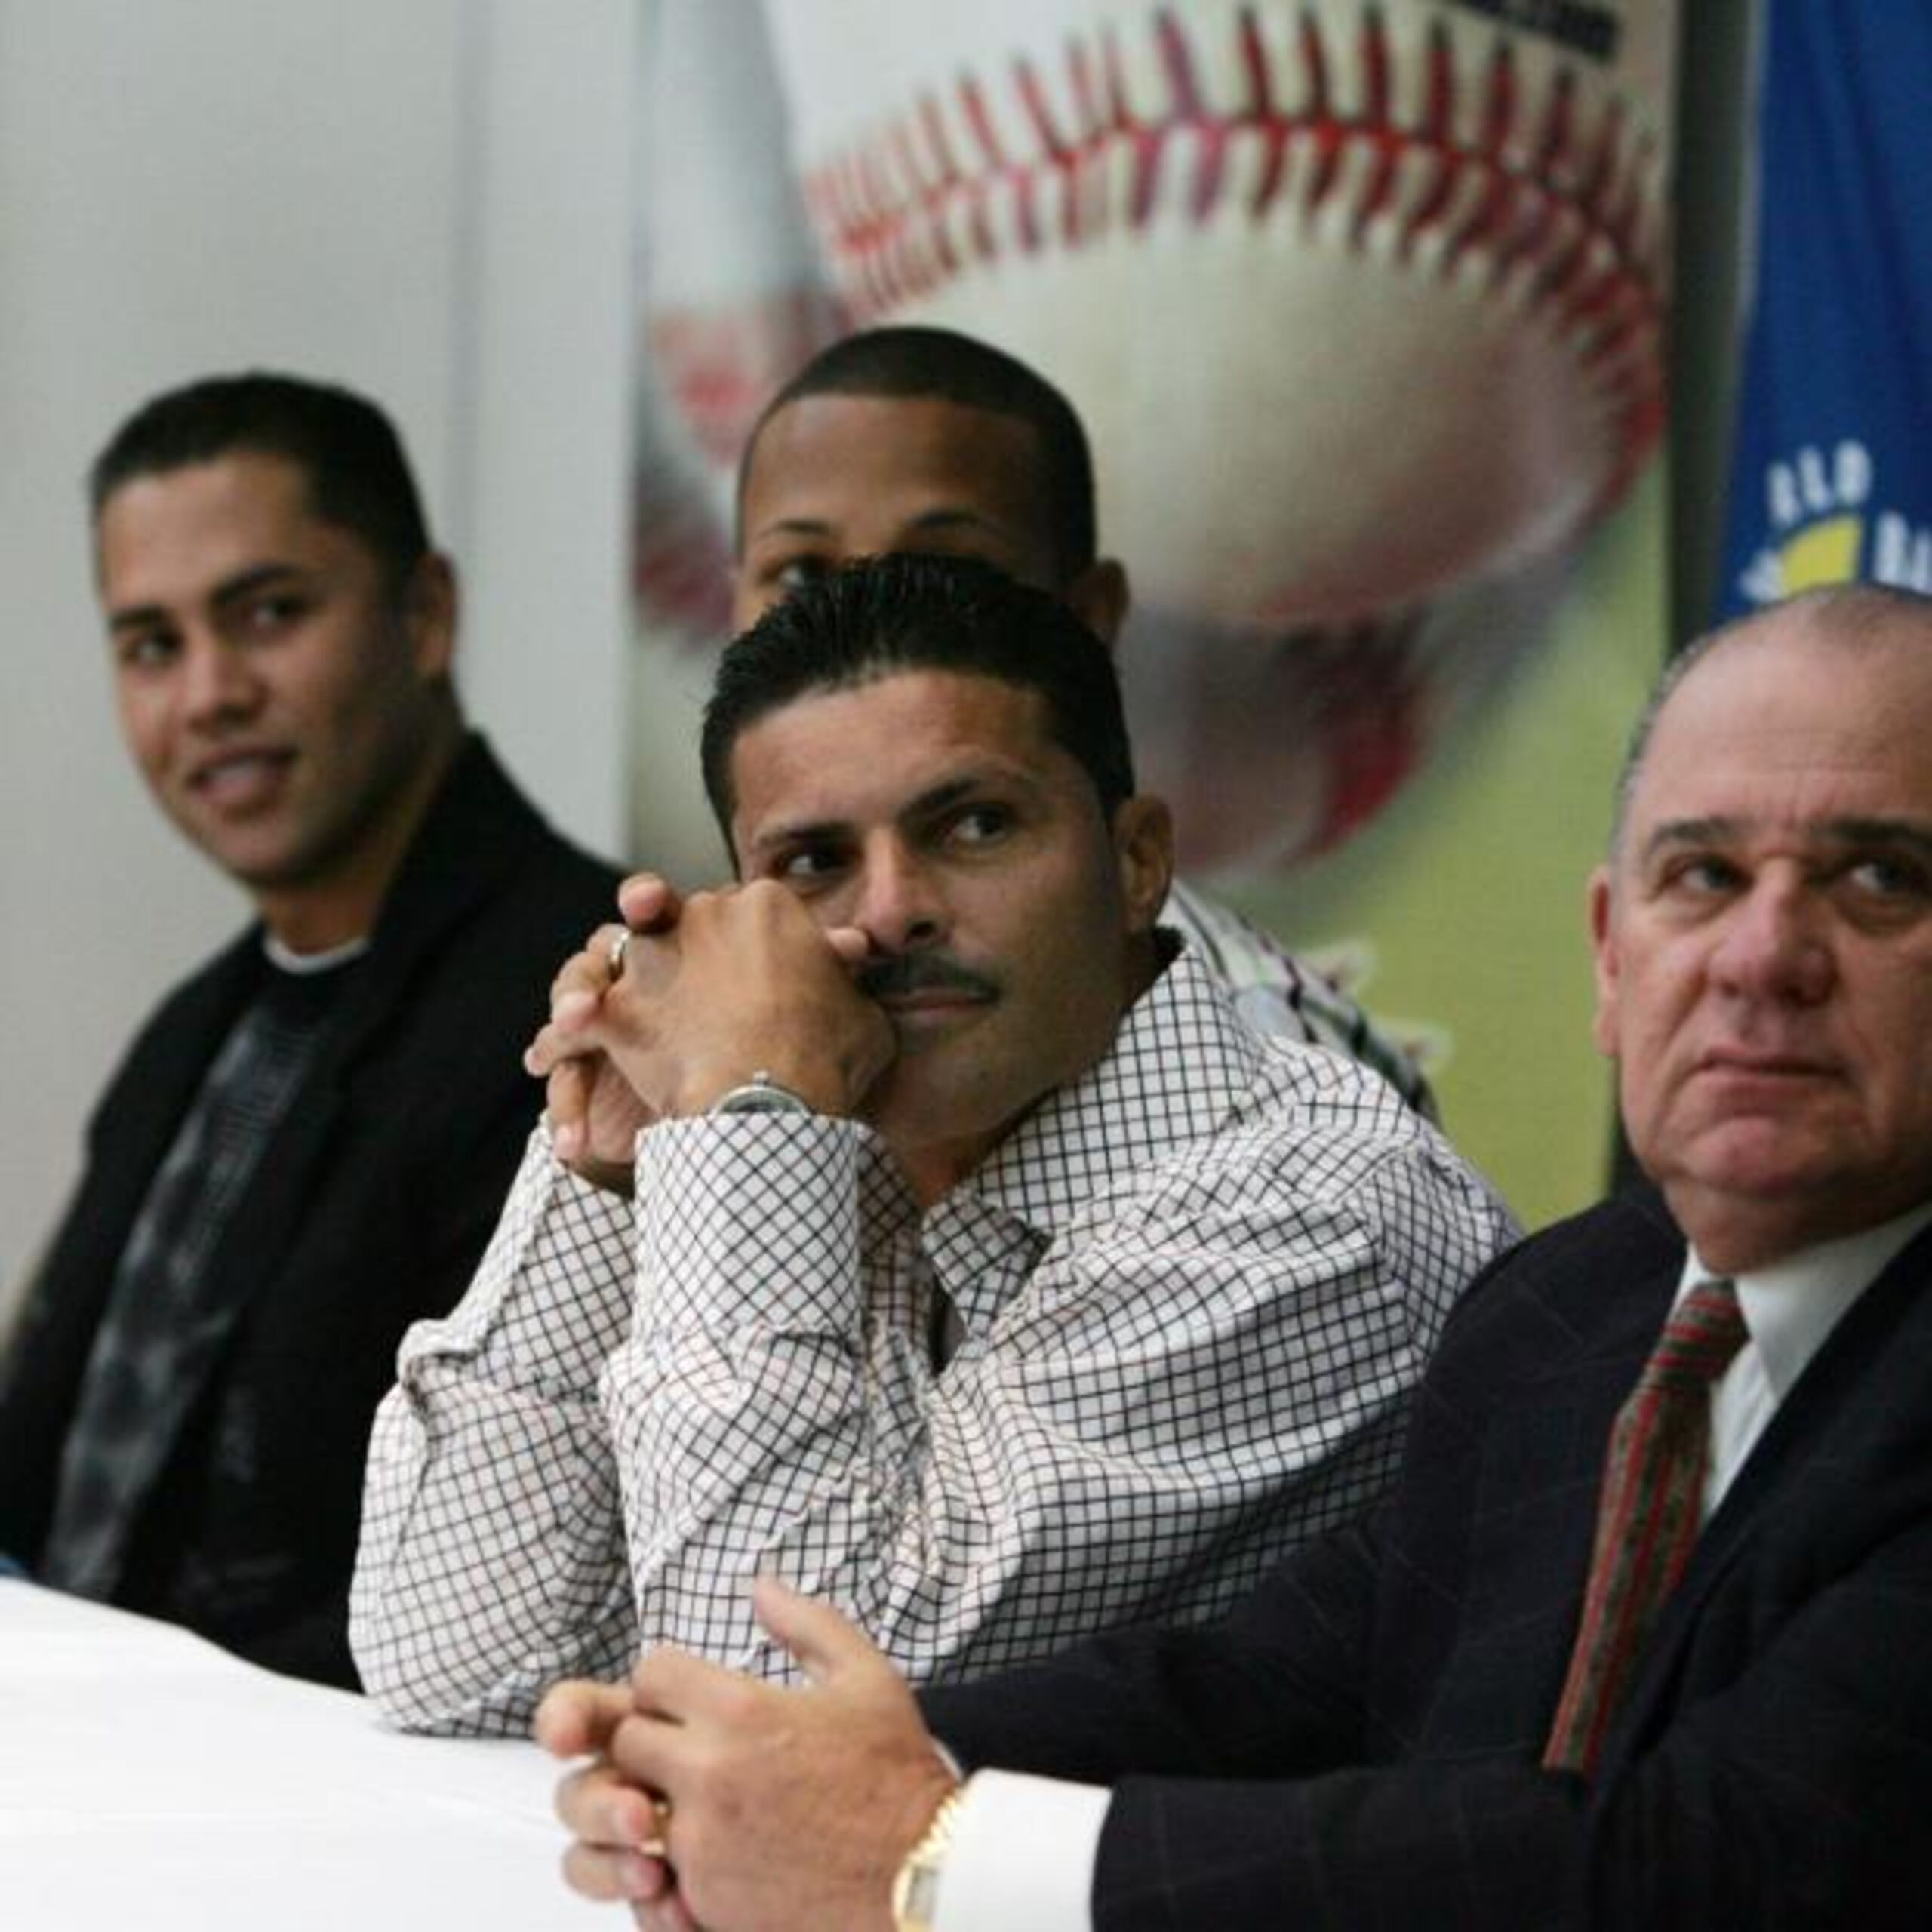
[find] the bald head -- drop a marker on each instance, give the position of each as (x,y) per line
(1850,616)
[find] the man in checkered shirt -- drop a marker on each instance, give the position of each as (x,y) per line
(916,1220)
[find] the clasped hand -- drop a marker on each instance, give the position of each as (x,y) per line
(709,1798)
(707,990)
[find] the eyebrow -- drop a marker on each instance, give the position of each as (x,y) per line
(1913,834)
(1849,832)
(924,804)
(230,590)
(1691,832)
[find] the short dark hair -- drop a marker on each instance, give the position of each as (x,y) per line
(350,456)
(883,615)
(918,363)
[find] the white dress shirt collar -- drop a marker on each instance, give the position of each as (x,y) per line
(1791,1306)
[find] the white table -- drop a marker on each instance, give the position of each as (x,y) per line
(148,1780)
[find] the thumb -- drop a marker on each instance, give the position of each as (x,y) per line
(576,1719)
(827,1645)
(648,902)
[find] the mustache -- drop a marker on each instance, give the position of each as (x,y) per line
(902,973)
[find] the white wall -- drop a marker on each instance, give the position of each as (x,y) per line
(427,199)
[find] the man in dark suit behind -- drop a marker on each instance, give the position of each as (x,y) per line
(303,1150)
(1374,1739)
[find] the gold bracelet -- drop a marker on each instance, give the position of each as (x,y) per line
(915,1885)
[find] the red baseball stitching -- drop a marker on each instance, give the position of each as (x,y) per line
(903,211)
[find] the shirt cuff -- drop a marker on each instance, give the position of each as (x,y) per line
(551,1298)
(1023,1853)
(749,1221)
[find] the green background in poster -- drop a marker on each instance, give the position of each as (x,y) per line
(1469,892)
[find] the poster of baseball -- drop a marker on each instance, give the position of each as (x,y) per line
(1363,307)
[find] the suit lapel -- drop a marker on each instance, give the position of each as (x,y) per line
(133,1125)
(137,1121)
(476,827)
(1624,1299)
(1825,1439)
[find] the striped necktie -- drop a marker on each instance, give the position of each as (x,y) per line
(1648,1517)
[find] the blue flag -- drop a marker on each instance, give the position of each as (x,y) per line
(1831,469)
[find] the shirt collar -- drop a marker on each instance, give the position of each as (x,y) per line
(1179,1066)
(1790,1306)
(305,964)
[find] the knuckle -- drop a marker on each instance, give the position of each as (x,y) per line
(739,1700)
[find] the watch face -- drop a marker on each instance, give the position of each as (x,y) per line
(759,1097)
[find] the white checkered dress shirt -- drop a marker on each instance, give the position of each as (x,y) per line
(1190,1291)
(1275,992)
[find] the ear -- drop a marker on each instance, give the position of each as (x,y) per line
(1608,966)
(1144,835)
(1099,598)
(429,611)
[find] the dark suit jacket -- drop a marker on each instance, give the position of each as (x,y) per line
(1357,1746)
(370,1208)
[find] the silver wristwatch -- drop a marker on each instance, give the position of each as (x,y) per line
(760,1094)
